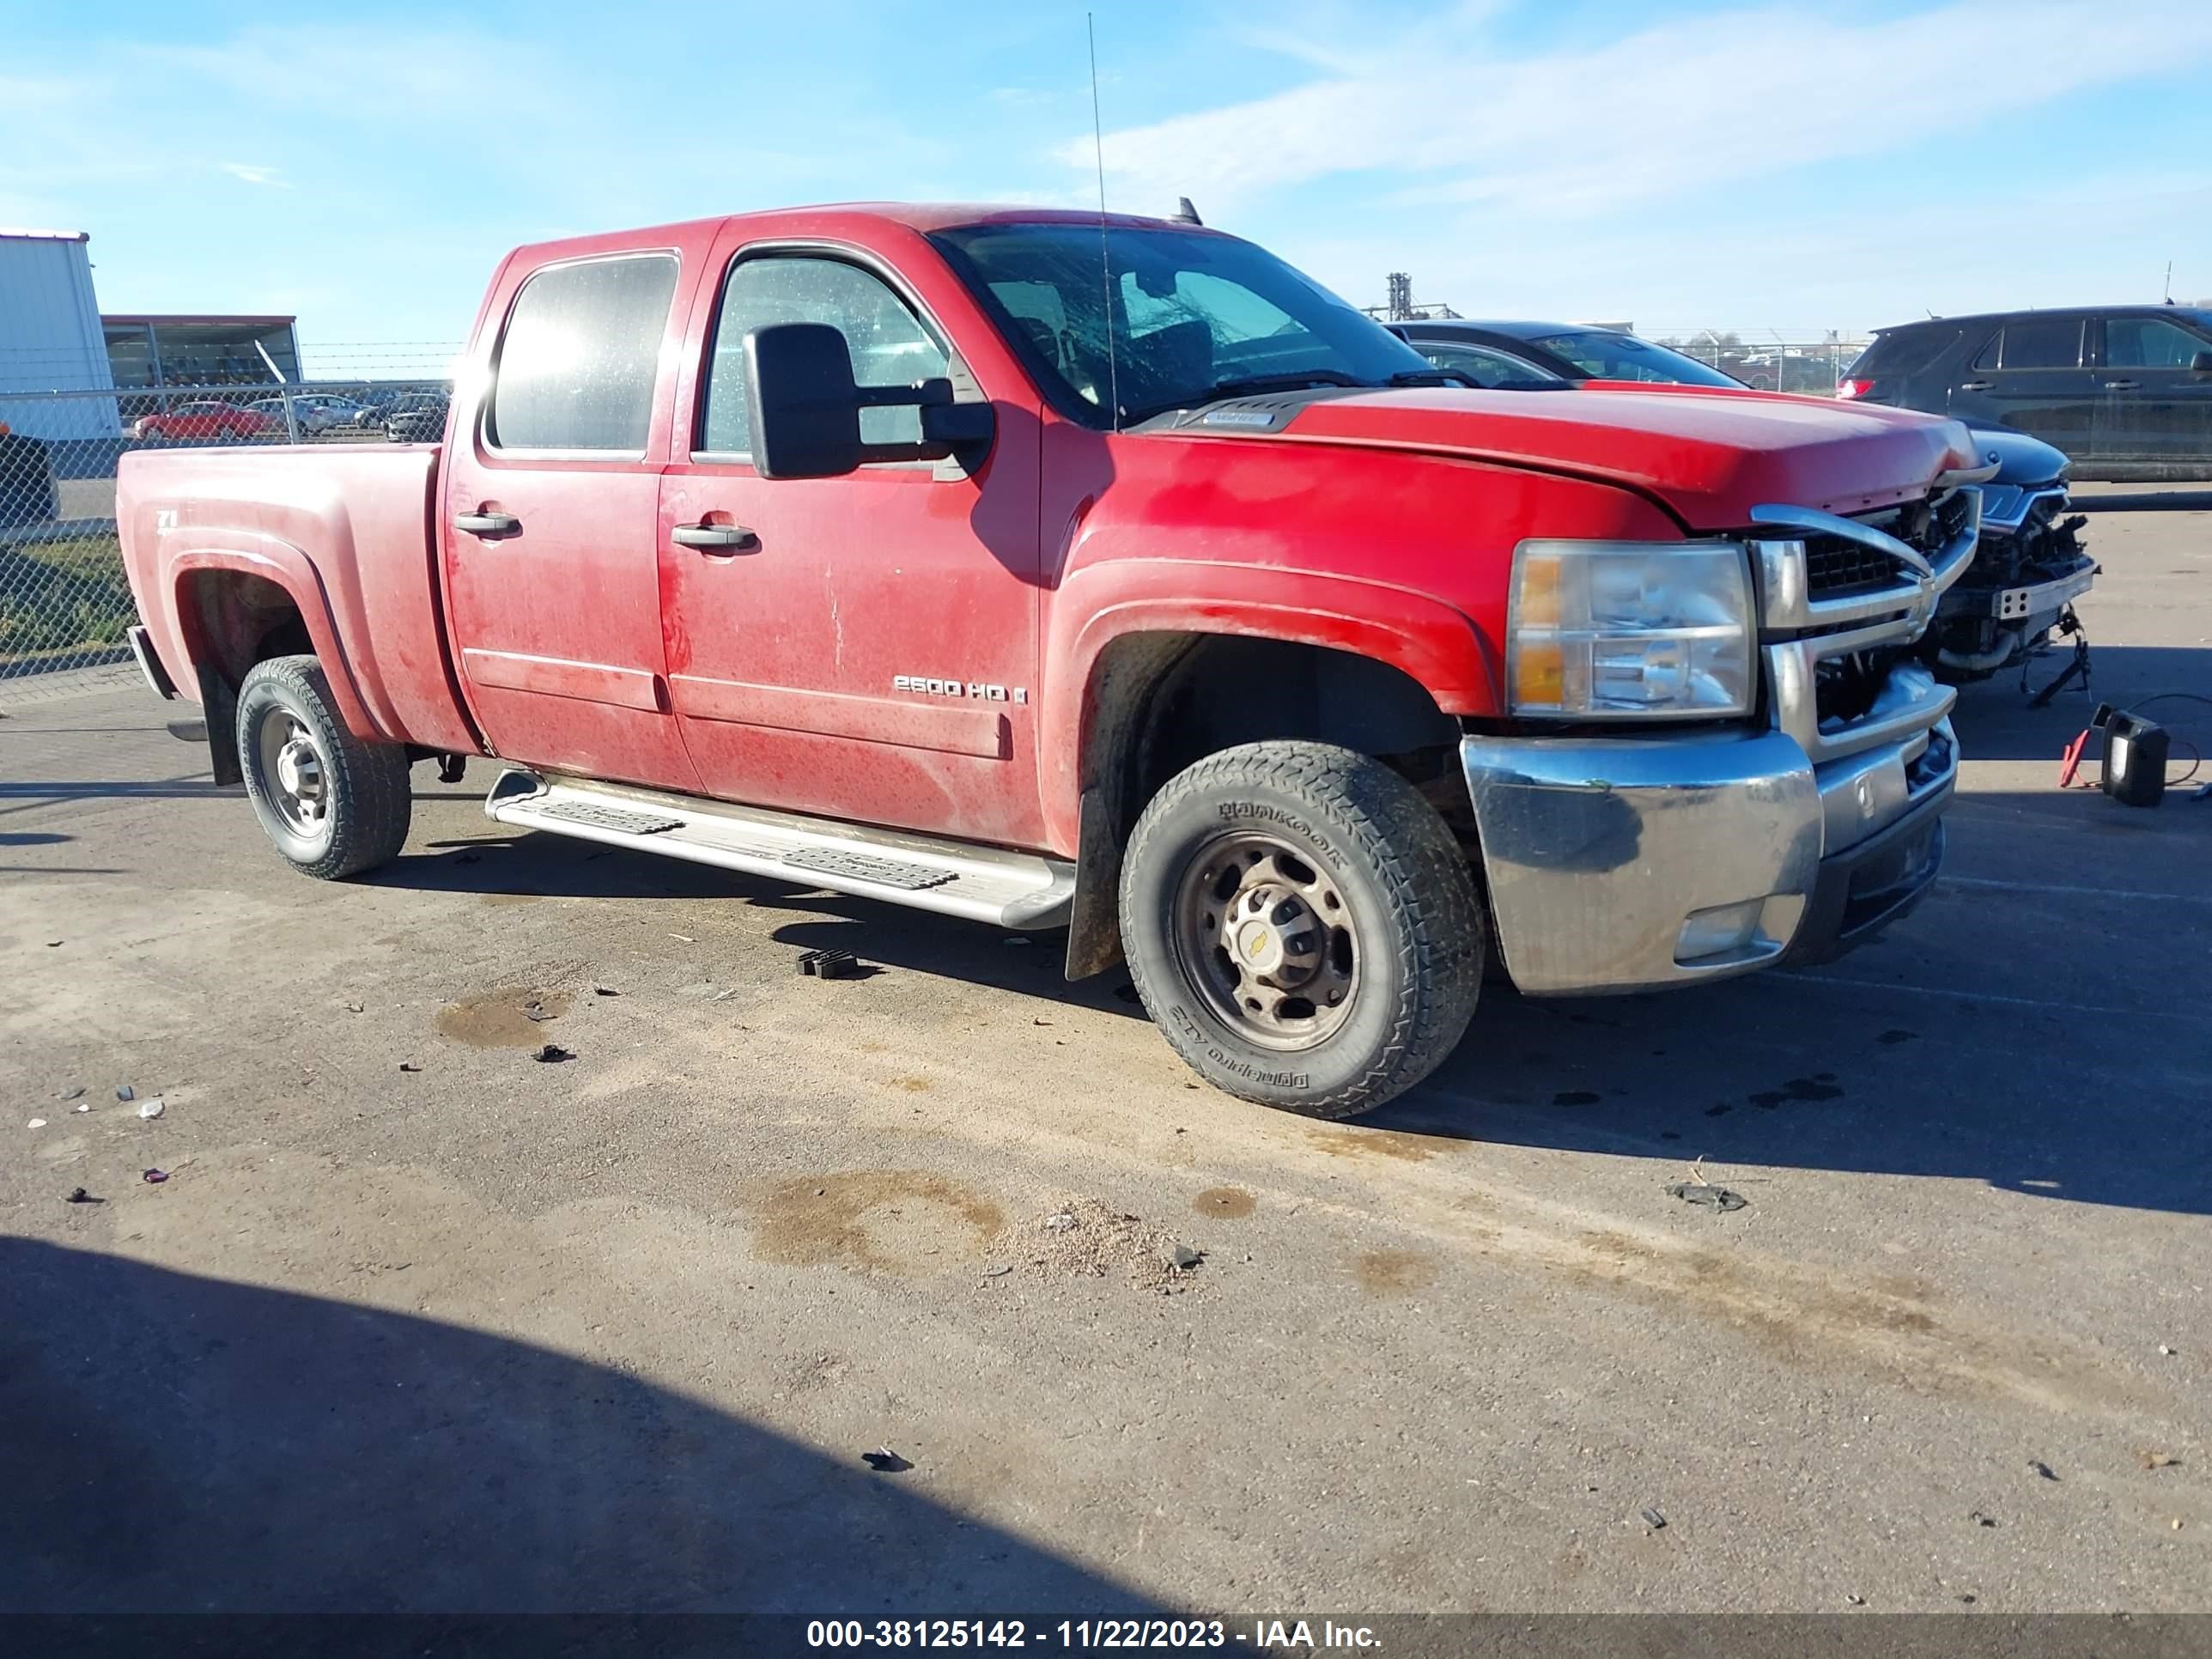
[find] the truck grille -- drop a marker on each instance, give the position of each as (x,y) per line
(1834,567)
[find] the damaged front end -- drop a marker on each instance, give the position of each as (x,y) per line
(2028,568)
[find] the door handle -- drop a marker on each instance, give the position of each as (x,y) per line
(715,538)
(487,524)
(2121,385)
(1973,385)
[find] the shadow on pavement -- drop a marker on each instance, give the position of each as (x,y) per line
(183,1443)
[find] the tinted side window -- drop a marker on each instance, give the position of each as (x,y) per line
(1489,367)
(2044,342)
(2149,342)
(577,363)
(1902,351)
(889,345)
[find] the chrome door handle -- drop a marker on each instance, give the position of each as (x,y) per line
(487,524)
(2121,385)
(715,538)
(1973,385)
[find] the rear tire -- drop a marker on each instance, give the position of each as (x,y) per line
(333,804)
(1303,927)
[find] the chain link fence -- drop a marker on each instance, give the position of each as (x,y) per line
(64,601)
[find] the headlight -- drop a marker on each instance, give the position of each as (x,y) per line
(1616,630)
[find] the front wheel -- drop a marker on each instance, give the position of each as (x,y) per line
(1302,926)
(334,804)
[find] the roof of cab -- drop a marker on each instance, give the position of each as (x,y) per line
(922,216)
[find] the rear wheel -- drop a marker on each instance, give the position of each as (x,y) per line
(333,804)
(1303,927)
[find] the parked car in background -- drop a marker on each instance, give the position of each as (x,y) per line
(2126,391)
(311,413)
(416,418)
(1521,353)
(207,422)
(2029,566)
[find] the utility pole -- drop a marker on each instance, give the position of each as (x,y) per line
(1401,296)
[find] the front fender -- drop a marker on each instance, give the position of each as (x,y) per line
(1434,643)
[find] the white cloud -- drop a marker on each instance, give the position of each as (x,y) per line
(256,175)
(1682,105)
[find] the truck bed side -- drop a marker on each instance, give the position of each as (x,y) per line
(236,555)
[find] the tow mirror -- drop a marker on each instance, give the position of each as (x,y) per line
(805,409)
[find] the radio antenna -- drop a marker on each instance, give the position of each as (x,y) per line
(1105,262)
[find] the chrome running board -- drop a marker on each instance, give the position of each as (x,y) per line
(1017,890)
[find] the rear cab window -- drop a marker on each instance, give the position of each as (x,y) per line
(579,357)
(1902,351)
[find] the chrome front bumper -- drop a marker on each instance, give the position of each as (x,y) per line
(1633,864)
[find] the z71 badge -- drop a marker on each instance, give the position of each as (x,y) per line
(921,686)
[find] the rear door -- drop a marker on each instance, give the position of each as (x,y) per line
(2155,410)
(868,652)
(551,484)
(2032,376)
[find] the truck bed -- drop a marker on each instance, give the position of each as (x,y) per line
(347,532)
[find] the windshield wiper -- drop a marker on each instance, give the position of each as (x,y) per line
(1249,388)
(1433,377)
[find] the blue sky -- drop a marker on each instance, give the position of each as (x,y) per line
(1795,167)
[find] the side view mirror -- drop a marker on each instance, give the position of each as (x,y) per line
(2201,363)
(805,409)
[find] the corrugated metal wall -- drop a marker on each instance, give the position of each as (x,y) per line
(50,338)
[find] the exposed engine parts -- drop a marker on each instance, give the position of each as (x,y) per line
(2029,568)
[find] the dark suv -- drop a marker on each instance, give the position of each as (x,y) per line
(2126,390)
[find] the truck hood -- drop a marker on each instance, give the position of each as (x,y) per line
(1708,455)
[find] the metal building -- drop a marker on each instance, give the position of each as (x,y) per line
(50,338)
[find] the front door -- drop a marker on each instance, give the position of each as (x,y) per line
(548,507)
(862,648)
(2156,409)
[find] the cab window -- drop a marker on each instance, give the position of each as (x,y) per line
(891,345)
(2149,342)
(579,357)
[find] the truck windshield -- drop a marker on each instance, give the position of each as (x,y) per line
(1195,316)
(1605,354)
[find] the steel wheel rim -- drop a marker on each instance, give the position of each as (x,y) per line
(296,774)
(1265,935)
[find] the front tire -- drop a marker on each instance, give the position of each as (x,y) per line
(333,804)
(1302,926)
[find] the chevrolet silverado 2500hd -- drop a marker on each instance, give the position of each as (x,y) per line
(1104,575)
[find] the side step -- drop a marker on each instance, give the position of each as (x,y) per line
(955,878)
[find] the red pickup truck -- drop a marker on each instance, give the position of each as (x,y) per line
(1104,575)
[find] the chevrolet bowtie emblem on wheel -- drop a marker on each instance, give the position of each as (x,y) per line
(926,686)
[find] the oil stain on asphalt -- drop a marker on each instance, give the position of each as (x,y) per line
(906,1222)
(509,1018)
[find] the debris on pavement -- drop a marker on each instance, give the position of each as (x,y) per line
(150,1109)
(355,1007)
(74,1091)
(1183,1258)
(884,1460)
(36,1123)
(684,938)
(410,1065)
(1652,1519)
(830,964)
(1104,1242)
(996,1273)
(53,945)
(605,991)
(2165,1351)
(2041,1467)
(1980,1519)
(78,1195)
(1713,1198)
(1855,1601)
(1060,1221)
(126,1092)
(552,1054)
(84,1106)
(2157,1459)
(154,1177)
